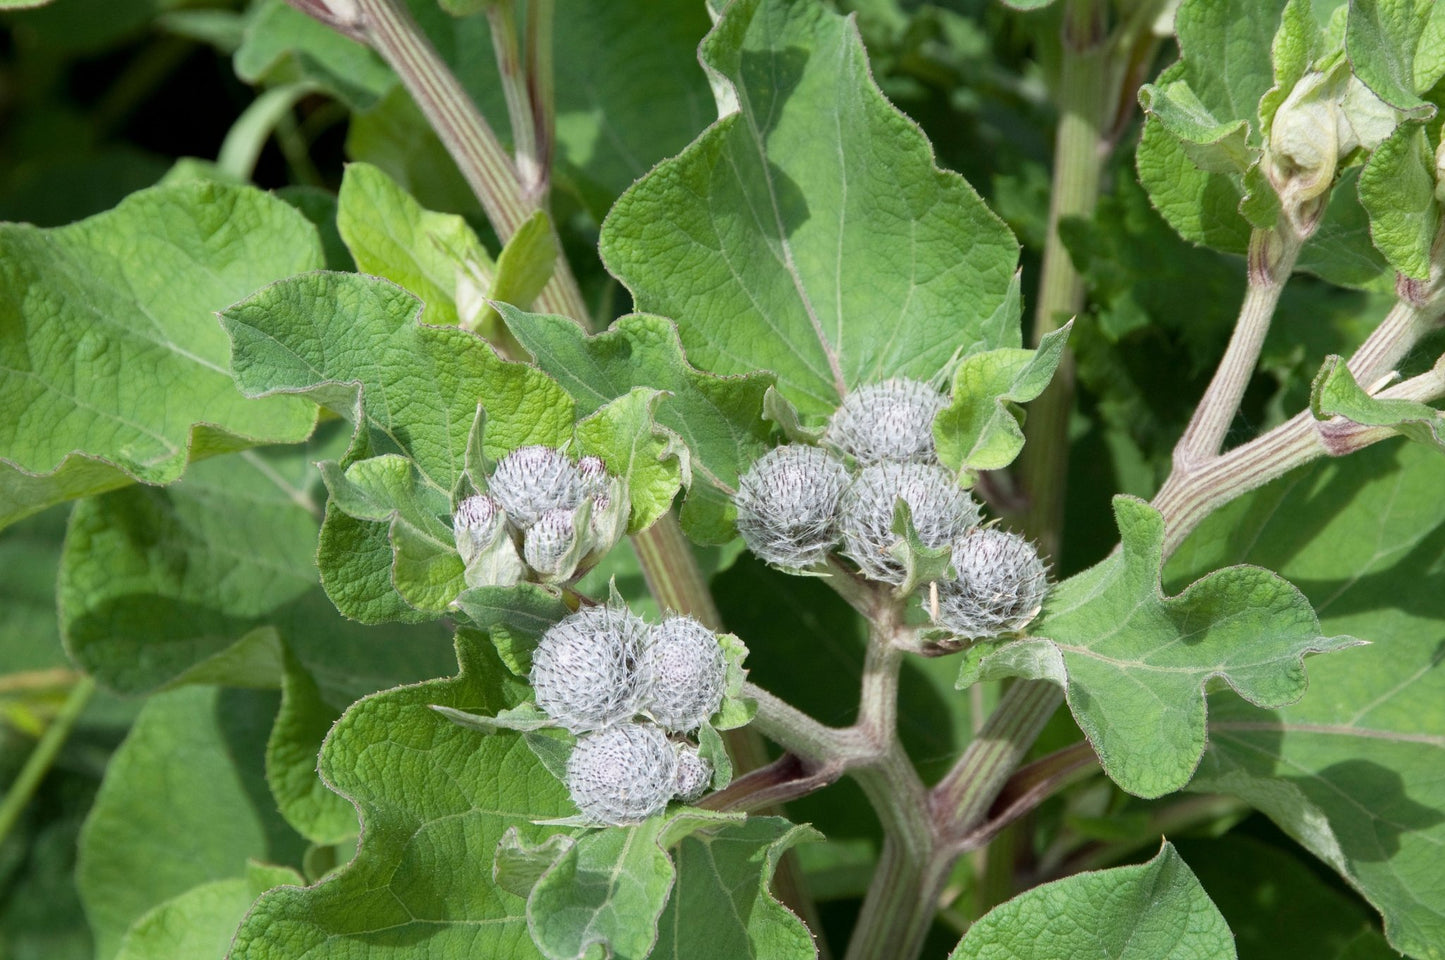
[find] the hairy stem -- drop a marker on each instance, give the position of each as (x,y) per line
(503,20)
(387,27)
(44,754)
(540,85)
(1272,254)
(1081,146)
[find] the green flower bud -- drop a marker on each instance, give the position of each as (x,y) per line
(550,546)
(479,527)
(788,502)
(681,672)
(584,669)
(622,775)
(942,513)
(892,420)
(1000,585)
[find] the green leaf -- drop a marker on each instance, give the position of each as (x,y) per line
(1134,662)
(1269,896)
(201,582)
(719,418)
(283,45)
(526,262)
(435,800)
(722,905)
(184,802)
(198,924)
(413,388)
(1153,911)
(1351,771)
(653,461)
(1336,393)
(514,617)
(1226,51)
(1214,146)
(302,722)
(1381,40)
(1299,42)
(609,888)
(426,569)
(433,255)
(1203,207)
(1397,190)
(127,296)
(979,429)
(817,237)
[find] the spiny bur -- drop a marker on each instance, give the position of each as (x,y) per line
(682,672)
(892,420)
(529,481)
(623,774)
(788,503)
(1000,585)
(584,669)
(942,513)
(694,773)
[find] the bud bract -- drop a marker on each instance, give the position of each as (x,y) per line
(942,513)
(694,774)
(999,587)
(551,545)
(892,420)
(479,527)
(584,669)
(529,481)
(681,673)
(788,503)
(622,775)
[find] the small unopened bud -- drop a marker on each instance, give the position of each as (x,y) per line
(788,503)
(942,513)
(622,775)
(550,545)
(584,669)
(529,481)
(999,588)
(694,774)
(476,525)
(681,673)
(892,420)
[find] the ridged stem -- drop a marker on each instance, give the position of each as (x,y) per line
(17,797)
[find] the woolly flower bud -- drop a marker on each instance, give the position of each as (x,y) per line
(1000,586)
(529,481)
(942,513)
(682,673)
(584,670)
(593,471)
(548,547)
(694,774)
(476,524)
(622,775)
(788,503)
(892,420)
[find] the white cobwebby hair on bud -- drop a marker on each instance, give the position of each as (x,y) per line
(1001,585)
(942,513)
(681,673)
(892,420)
(475,524)
(584,669)
(788,504)
(549,540)
(593,471)
(694,774)
(623,774)
(529,481)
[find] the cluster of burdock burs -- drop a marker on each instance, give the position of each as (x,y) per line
(799,503)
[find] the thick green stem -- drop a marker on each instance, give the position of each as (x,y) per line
(1086,101)
(44,754)
(505,42)
(541,87)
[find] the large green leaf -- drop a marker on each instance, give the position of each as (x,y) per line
(808,232)
(1397,189)
(413,390)
(184,802)
(1153,911)
(115,369)
(1382,40)
(198,924)
(1352,770)
(435,799)
(719,418)
(1134,662)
